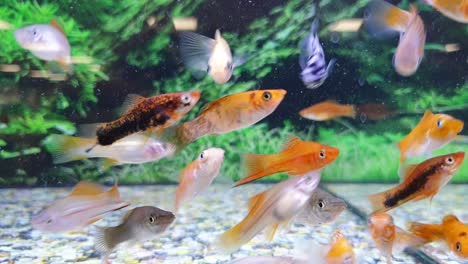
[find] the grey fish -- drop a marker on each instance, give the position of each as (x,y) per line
(312,59)
(139,224)
(321,208)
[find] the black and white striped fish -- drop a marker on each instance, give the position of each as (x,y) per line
(312,59)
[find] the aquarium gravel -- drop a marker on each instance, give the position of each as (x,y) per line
(189,240)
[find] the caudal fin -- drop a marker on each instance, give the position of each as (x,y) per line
(377,202)
(383,18)
(102,243)
(231,239)
(428,232)
(257,167)
(67,148)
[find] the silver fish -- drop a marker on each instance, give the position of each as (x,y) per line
(312,59)
(45,41)
(206,55)
(321,208)
(139,224)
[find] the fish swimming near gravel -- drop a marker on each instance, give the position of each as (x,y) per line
(226,114)
(269,209)
(86,204)
(388,238)
(421,181)
(206,55)
(452,231)
(46,41)
(297,158)
(312,59)
(138,225)
(133,149)
(198,175)
(151,114)
(321,208)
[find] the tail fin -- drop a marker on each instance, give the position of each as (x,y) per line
(428,232)
(101,242)
(377,202)
(231,239)
(383,18)
(256,165)
(67,148)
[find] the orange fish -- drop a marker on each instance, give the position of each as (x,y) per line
(278,205)
(422,181)
(147,114)
(410,49)
(339,250)
(388,238)
(431,133)
(454,9)
(327,110)
(229,113)
(452,231)
(198,175)
(298,157)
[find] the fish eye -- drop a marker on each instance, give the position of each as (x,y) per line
(449,160)
(458,246)
(266,96)
(439,123)
(49,221)
(322,154)
(321,204)
(202,156)
(151,219)
(229,66)
(185,99)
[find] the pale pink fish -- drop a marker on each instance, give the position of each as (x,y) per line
(198,175)
(385,17)
(86,204)
(45,41)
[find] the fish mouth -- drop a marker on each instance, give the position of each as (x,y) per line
(167,219)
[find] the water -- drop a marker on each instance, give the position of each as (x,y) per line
(117,49)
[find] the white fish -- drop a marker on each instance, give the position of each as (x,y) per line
(46,41)
(86,204)
(198,175)
(133,149)
(202,54)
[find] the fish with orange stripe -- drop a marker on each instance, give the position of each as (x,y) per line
(384,17)
(298,157)
(421,181)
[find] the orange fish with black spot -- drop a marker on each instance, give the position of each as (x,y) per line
(227,114)
(452,231)
(388,238)
(421,181)
(297,158)
(431,133)
(147,114)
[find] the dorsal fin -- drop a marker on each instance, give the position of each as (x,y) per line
(86,188)
(114,191)
(126,216)
(131,101)
(292,142)
(406,170)
(427,114)
(54,23)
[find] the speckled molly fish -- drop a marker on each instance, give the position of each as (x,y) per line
(151,114)
(421,181)
(312,59)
